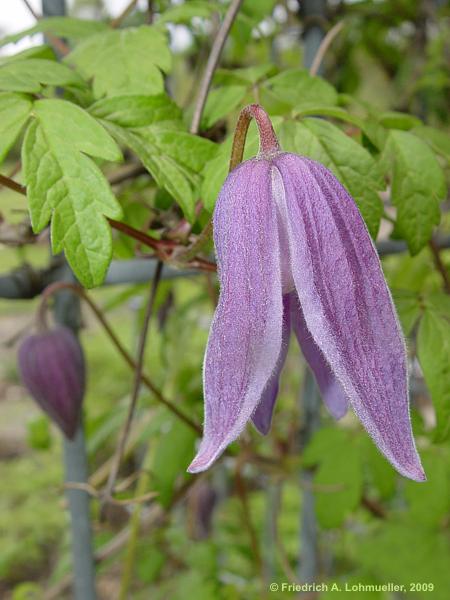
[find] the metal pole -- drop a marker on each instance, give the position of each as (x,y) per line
(67,313)
(53,8)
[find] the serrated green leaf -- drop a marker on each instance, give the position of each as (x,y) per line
(14,113)
(433,348)
(350,162)
(430,503)
(242,76)
(221,102)
(216,170)
(65,27)
(32,74)
(408,308)
(136,111)
(300,89)
(122,62)
(405,551)
(418,186)
(64,184)
(380,473)
(398,120)
(45,52)
(170,459)
(70,125)
(329,111)
(173,157)
(185,12)
(437,139)
(439,303)
(191,151)
(257,10)
(338,479)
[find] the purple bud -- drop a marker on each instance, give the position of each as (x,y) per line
(51,365)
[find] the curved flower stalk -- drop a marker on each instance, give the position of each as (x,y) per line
(294,253)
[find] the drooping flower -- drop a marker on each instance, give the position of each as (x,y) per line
(293,252)
(51,364)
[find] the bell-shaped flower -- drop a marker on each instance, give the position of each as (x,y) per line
(294,253)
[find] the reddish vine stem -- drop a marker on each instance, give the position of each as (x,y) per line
(61,285)
(440,266)
(136,383)
(123,15)
(163,248)
(241,490)
(212,63)
(31,10)
(324,45)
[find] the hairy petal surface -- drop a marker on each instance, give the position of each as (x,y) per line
(347,305)
(332,392)
(245,337)
(262,417)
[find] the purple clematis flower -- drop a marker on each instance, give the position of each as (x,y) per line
(294,253)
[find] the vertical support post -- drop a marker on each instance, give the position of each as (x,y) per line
(314,14)
(67,313)
(309,561)
(53,8)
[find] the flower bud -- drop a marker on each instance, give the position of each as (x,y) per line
(51,364)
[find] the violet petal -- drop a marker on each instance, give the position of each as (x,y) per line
(262,417)
(331,390)
(346,303)
(245,337)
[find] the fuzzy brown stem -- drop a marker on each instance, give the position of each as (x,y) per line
(268,142)
(136,383)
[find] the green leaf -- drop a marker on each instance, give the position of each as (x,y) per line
(398,120)
(408,308)
(45,52)
(221,102)
(185,12)
(433,347)
(430,503)
(338,479)
(352,164)
(171,458)
(437,139)
(14,113)
(32,74)
(216,170)
(173,157)
(329,111)
(136,111)
(406,551)
(126,61)
(257,10)
(65,27)
(380,473)
(247,75)
(300,89)
(418,186)
(64,184)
